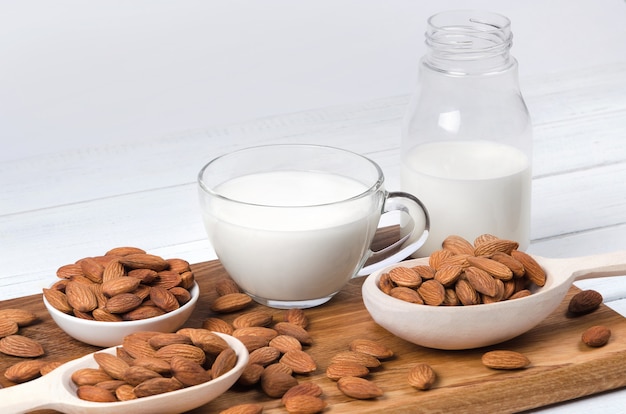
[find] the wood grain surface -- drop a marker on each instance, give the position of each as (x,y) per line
(562,367)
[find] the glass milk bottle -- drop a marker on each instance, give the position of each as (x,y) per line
(467,135)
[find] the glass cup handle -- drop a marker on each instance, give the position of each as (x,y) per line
(405,203)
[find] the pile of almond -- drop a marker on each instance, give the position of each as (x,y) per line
(151,363)
(462,273)
(14,343)
(125,284)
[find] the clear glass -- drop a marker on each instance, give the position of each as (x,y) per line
(467,134)
(292,224)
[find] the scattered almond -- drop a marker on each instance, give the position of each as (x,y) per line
(422,376)
(504,359)
(359,388)
(596,336)
(584,302)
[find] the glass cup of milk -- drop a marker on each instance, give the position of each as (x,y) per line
(293,223)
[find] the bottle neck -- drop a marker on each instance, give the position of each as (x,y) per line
(469,43)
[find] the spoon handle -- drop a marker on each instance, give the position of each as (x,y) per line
(26,397)
(599,265)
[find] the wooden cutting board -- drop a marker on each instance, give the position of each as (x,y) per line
(562,367)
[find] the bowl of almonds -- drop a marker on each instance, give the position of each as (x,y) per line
(465,295)
(99,300)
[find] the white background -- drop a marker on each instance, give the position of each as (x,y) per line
(77,74)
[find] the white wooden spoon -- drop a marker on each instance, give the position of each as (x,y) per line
(465,327)
(56,391)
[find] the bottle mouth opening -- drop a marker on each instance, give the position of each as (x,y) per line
(469,32)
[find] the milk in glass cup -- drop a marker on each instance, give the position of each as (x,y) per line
(292,224)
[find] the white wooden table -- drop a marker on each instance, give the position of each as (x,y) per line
(59,207)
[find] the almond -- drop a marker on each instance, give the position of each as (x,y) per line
(432,292)
(188,372)
(278,367)
(405,276)
(251,374)
(298,332)
(457,245)
(490,247)
(385,284)
(276,384)
(124,251)
(520,294)
(69,271)
(494,268)
(167,279)
(422,376)
(123,284)
(181,294)
(448,274)
(338,370)
(146,276)
(161,340)
(122,303)
(369,347)
(596,336)
(584,302)
(95,394)
(178,265)
(243,409)
(226,286)
(163,299)
(504,359)
(113,270)
(299,361)
(21,346)
(186,351)
(92,270)
(135,375)
(305,404)
(20,316)
(484,238)
(359,388)
(144,261)
(406,294)
(451,299)
(256,318)
(305,388)
(157,365)
(533,271)
(48,367)
(217,325)
(425,272)
(266,333)
(466,294)
(208,341)
(297,317)
(357,357)
(80,297)
(157,386)
(89,376)
(253,342)
(142,312)
(8,327)
(24,371)
(104,316)
(481,281)
(224,362)
(137,346)
(125,393)
(111,364)
(231,302)
(264,356)
(509,261)
(285,343)
(437,257)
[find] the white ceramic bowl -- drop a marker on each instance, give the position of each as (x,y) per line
(451,327)
(108,334)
